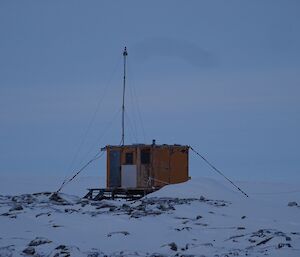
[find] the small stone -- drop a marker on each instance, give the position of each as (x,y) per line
(199,217)
(61,247)
(29,250)
(281,245)
(291,204)
(202,198)
(55,197)
(111,209)
(39,241)
(243,217)
(173,246)
(125,233)
(16,208)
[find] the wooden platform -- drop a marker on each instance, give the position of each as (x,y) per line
(98,194)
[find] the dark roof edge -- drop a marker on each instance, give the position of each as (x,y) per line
(142,145)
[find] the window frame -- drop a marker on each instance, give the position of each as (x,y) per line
(145,156)
(129,158)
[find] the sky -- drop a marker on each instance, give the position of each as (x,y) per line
(221,76)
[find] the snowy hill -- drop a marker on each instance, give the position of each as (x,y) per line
(202,217)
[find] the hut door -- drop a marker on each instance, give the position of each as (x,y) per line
(115,168)
(129,176)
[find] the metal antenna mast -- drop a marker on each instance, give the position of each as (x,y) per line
(123,105)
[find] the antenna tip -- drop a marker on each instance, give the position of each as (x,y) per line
(125,51)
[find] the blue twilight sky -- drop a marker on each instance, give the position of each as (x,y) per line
(222,76)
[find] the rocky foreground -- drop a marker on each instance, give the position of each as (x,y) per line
(44,224)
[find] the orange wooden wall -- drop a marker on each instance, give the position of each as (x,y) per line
(168,164)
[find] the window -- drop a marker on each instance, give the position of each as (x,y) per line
(145,156)
(129,158)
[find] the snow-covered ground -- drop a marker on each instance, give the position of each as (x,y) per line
(202,217)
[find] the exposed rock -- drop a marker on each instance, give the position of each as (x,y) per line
(264,241)
(184,228)
(173,246)
(70,210)
(291,204)
(64,251)
(25,198)
(237,236)
(41,214)
(125,233)
(29,250)
(16,208)
(8,214)
(56,226)
(111,209)
(55,197)
(39,241)
(5,214)
(61,247)
(281,245)
(201,224)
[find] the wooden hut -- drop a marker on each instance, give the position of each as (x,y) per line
(141,166)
